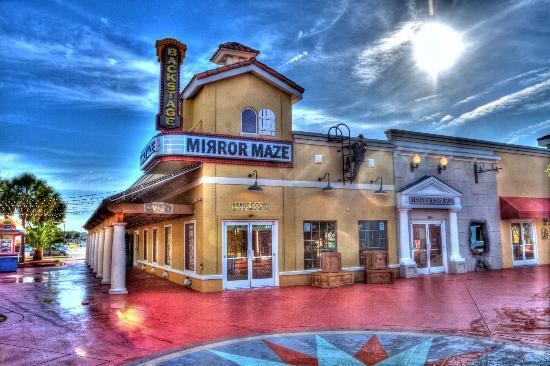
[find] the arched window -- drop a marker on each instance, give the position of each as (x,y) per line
(267,122)
(248,121)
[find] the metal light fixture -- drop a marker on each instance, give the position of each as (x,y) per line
(415,162)
(442,164)
(255,186)
(328,187)
(379,191)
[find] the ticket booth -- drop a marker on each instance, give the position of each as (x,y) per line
(10,240)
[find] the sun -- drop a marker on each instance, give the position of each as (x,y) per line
(436,48)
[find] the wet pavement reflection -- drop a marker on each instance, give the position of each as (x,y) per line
(65,316)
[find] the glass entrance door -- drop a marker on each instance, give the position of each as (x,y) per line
(249,254)
(523,244)
(427,246)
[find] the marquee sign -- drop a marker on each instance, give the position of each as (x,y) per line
(170,53)
(206,146)
(431,201)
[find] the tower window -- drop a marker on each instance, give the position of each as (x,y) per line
(266,122)
(249,121)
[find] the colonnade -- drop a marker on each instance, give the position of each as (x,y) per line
(106,256)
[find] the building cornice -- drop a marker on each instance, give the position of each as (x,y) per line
(395,136)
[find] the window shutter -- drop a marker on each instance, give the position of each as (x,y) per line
(267,122)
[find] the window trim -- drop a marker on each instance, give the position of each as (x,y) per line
(256,114)
(155,252)
(171,244)
(194,222)
(145,244)
(304,240)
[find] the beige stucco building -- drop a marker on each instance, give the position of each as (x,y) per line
(232,197)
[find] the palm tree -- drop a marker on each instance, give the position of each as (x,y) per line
(42,235)
(33,199)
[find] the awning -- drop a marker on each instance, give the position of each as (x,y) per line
(524,207)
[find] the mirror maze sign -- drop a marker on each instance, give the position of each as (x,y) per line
(204,146)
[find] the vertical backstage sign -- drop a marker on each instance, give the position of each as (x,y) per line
(170,53)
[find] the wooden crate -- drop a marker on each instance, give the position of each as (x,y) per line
(331,262)
(379,276)
(331,279)
(376,259)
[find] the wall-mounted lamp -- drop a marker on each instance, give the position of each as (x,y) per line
(545,221)
(328,187)
(379,191)
(255,186)
(442,164)
(415,162)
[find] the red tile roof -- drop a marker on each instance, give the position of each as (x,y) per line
(236,65)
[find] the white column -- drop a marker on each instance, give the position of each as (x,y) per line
(118,265)
(407,267)
(107,255)
(87,249)
(94,257)
(456,261)
(100,253)
(404,237)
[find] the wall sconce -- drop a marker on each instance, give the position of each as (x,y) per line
(255,186)
(545,221)
(379,191)
(415,162)
(328,187)
(442,164)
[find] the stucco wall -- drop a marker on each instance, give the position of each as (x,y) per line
(219,105)
(523,176)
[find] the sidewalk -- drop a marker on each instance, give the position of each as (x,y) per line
(63,316)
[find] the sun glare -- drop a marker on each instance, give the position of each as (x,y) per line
(436,48)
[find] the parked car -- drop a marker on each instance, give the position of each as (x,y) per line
(54,251)
(28,250)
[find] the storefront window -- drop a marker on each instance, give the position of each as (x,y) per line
(190,246)
(319,237)
(168,245)
(372,236)
(155,245)
(145,232)
(136,244)
(478,237)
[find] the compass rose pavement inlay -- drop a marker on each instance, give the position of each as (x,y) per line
(378,348)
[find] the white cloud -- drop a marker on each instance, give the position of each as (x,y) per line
(505,102)
(448,117)
(374,60)
(296,58)
(531,130)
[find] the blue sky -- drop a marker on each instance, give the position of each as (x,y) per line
(79,80)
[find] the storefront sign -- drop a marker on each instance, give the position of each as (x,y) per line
(171,54)
(5,246)
(431,201)
(192,145)
(249,206)
(7,224)
(158,208)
